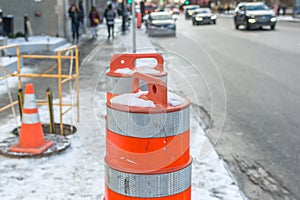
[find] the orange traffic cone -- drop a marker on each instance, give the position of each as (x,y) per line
(31,135)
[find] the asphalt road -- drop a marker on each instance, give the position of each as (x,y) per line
(258,103)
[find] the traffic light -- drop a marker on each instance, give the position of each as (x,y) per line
(187,2)
(129,1)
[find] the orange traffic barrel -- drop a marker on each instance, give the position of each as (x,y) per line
(31,135)
(122,67)
(147,144)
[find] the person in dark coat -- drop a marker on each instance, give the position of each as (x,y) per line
(81,16)
(94,20)
(74,14)
(110,16)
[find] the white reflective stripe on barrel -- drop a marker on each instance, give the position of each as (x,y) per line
(148,185)
(33,118)
(29,101)
(154,125)
(122,85)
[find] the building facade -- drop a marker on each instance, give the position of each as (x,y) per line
(49,17)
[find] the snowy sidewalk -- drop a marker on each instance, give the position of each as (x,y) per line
(210,177)
(78,173)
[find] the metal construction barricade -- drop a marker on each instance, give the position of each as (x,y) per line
(70,54)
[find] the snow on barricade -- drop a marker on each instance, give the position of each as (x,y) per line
(124,71)
(133,99)
(175,100)
(144,70)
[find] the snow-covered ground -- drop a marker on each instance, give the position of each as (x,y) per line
(12,82)
(35,44)
(32,40)
(78,172)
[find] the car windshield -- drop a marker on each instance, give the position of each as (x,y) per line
(161,17)
(257,7)
(193,8)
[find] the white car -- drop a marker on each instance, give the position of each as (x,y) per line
(161,23)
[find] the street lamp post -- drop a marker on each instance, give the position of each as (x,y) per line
(133,27)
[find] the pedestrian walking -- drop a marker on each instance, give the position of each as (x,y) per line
(94,20)
(81,16)
(110,16)
(142,8)
(74,14)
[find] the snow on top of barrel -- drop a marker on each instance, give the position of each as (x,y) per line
(175,100)
(148,70)
(133,99)
(143,70)
(124,71)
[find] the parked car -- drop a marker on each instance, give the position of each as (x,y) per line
(254,15)
(174,11)
(189,10)
(296,12)
(204,16)
(160,23)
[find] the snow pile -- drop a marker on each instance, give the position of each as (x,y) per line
(132,99)
(144,70)
(175,100)
(4,61)
(210,178)
(12,82)
(82,176)
(73,174)
(125,71)
(35,40)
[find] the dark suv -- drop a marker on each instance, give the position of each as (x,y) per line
(254,15)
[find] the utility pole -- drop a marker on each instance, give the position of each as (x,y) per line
(133,26)
(26,28)
(124,16)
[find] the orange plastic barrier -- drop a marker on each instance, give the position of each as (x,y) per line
(31,134)
(147,148)
(119,82)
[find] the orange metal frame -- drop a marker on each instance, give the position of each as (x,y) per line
(61,78)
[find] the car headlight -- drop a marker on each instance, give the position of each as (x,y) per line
(273,19)
(214,17)
(190,12)
(199,18)
(251,20)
